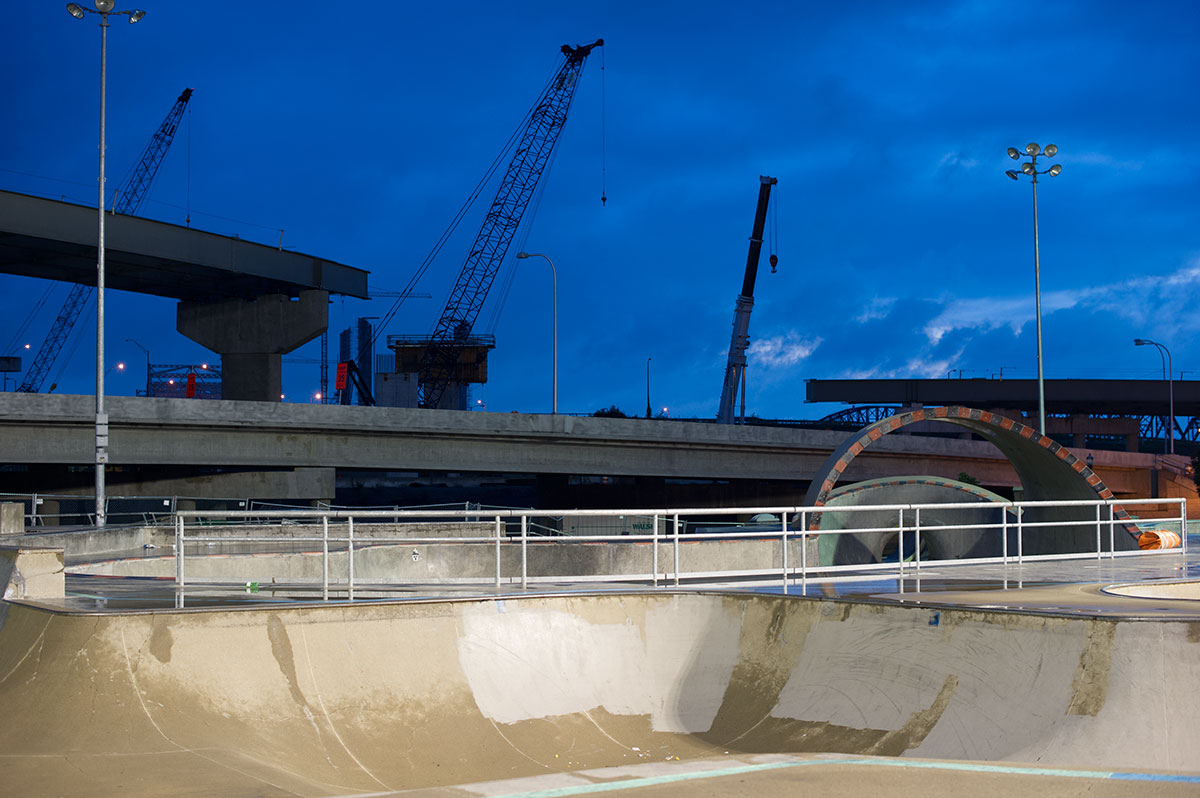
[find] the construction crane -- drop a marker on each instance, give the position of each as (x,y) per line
(735,366)
(126,200)
(453,329)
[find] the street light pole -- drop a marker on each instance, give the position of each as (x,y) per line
(147,351)
(1030,168)
(1169,368)
(648,387)
(554,274)
(104,8)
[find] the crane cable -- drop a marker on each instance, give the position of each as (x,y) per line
(603,129)
(20,333)
(462,211)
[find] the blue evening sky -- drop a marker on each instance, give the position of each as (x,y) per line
(903,249)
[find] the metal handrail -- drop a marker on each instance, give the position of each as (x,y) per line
(331,541)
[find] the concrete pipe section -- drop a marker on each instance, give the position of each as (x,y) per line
(1047,471)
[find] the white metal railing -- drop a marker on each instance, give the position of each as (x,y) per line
(512,538)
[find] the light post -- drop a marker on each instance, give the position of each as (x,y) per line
(647,387)
(1030,168)
(1169,368)
(104,8)
(147,351)
(554,274)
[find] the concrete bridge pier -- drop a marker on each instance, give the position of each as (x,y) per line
(252,336)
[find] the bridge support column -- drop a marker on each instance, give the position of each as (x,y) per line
(252,336)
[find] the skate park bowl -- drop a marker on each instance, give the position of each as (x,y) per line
(349,699)
(1188,590)
(1047,471)
(980,531)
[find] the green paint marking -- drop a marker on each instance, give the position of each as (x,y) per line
(1014,770)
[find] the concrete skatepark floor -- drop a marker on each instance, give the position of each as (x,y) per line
(984,679)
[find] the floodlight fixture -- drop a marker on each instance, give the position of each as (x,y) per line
(104,6)
(75,10)
(134,16)
(1030,168)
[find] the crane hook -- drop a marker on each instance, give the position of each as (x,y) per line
(774,262)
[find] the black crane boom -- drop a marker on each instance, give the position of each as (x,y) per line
(491,244)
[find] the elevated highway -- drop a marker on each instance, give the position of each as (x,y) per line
(58,429)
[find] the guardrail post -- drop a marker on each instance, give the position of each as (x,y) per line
(900,544)
(497,552)
(524,552)
(1099,544)
(325,558)
(675,546)
(1112,528)
(350,556)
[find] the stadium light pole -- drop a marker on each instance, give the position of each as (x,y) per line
(554,274)
(1169,368)
(104,9)
(1030,168)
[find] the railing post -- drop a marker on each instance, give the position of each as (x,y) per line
(1112,528)
(785,553)
(1183,526)
(350,556)
(1099,544)
(804,552)
(917,540)
(675,546)
(325,558)
(1004,531)
(654,554)
(524,552)
(497,551)
(1020,534)
(179,575)
(900,544)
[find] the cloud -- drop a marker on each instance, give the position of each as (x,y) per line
(782,351)
(878,308)
(1138,300)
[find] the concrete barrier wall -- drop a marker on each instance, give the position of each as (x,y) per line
(338,699)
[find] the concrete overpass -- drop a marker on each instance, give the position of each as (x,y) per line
(247,302)
(253,437)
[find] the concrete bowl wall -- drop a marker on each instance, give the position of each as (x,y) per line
(340,699)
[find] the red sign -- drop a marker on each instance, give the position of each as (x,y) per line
(340,382)
(191,386)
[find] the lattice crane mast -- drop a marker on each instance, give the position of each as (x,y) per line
(735,366)
(126,200)
(537,142)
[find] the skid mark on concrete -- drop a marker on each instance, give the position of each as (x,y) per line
(325,713)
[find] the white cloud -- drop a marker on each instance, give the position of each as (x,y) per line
(782,351)
(1148,300)
(878,308)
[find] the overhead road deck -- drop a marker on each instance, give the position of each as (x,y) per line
(50,429)
(1093,397)
(57,241)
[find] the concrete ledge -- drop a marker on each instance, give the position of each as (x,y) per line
(30,572)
